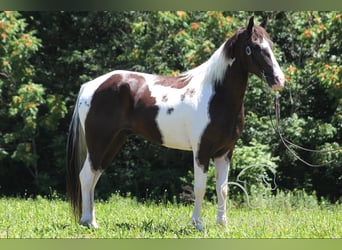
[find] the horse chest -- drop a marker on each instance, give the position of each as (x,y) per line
(223,130)
(183,116)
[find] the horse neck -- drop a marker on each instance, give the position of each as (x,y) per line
(233,87)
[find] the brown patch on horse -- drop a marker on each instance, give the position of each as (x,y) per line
(188,92)
(165,98)
(170,110)
(182,97)
(225,127)
(120,106)
(172,82)
(226,111)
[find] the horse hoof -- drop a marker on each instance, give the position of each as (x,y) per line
(198,225)
(222,222)
(90,225)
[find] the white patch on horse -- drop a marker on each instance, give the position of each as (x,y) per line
(185,108)
(214,69)
(88,179)
(231,61)
(278,73)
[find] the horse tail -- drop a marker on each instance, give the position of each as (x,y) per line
(76,153)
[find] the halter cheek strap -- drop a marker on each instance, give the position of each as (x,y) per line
(248,50)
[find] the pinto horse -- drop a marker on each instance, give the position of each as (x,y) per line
(201,111)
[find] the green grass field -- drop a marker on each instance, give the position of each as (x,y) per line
(119,217)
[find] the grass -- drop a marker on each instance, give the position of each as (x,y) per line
(279,217)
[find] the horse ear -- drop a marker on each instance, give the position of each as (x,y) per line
(264,23)
(250,26)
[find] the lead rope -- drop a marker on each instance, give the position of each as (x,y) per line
(287,143)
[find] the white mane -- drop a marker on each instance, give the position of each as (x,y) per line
(213,70)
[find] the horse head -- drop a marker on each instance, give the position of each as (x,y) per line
(254,47)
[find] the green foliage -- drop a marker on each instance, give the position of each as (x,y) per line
(26,108)
(311,106)
(254,166)
(20,97)
(255,153)
(178,41)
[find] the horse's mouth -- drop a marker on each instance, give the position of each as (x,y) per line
(275,82)
(278,83)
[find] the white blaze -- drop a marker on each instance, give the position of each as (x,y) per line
(276,68)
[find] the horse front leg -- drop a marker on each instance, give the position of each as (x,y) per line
(88,178)
(221,173)
(200,179)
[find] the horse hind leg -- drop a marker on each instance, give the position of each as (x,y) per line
(90,175)
(88,179)
(113,148)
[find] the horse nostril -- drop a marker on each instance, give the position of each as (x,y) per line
(280,80)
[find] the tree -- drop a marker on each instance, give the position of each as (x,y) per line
(311,110)
(23,102)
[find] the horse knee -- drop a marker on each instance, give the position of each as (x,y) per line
(199,191)
(225,190)
(86,176)
(222,189)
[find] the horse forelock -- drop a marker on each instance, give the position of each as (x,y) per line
(260,34)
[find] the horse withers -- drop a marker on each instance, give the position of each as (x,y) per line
(201,111)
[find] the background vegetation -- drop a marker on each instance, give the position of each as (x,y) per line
(46,56)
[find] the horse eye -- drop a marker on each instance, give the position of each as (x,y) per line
(248,51)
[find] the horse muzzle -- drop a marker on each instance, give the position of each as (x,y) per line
(279,82)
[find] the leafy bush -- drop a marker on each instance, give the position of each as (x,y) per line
(27,109)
